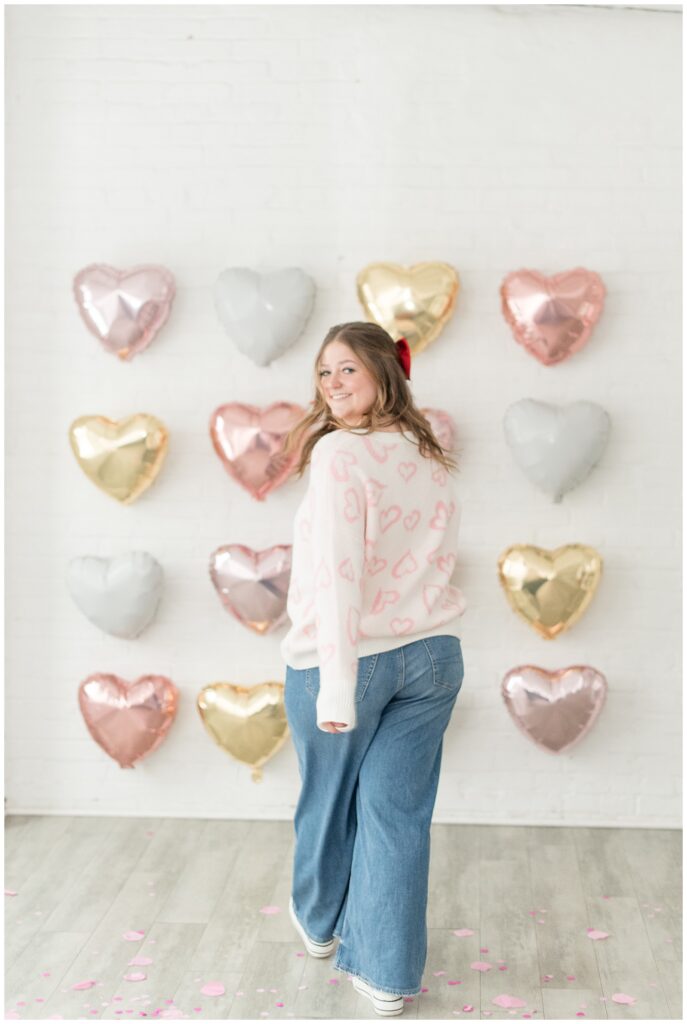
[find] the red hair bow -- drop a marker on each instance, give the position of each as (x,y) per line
(403,354)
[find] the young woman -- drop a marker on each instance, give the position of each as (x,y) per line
(373,661)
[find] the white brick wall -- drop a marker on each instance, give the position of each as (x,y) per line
(328,138)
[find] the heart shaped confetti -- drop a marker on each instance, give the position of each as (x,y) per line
(463,932)
(594,933)
(621,997)
(508,1002)
(481,965)
(213,988)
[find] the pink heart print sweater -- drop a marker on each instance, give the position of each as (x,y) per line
(374,548)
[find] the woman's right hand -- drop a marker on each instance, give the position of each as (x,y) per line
(332,726)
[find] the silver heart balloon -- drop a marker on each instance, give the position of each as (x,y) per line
(118,595)
(263,314)
(556,447)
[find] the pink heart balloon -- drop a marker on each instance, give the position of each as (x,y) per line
(128,720)
(124,308)
(253,585)
(249,441)
(442,426)
(552,317)
(554,709)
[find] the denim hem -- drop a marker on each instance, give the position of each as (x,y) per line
(318,942)
(380,988)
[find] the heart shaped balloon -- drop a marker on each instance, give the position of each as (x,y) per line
(554,709)
(125,309)
(253,585)
(264,313)
(556,447)
(250,440)
(118,595)
(121,457)
(248,722)
(552,317)
(443,427)
(128,720)
(414,302)
(550,590)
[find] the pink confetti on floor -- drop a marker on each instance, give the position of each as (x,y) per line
(454,982)
(135,976)
(463,932)
(594,933)
(424,990)
(547,977)
(213,988)
(133,936)
(481,965)
(10,892)
(503,967)
(570,977)
(140,961)
(468,1008)
(438,974)
(79,986)
(270,910)
(484,949)
(508,1002)
(622,997)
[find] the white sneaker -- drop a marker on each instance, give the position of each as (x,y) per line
(386,1004)
(318,949)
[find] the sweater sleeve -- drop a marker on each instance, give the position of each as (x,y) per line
(338,553)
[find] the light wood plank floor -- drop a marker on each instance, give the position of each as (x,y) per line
(211,898)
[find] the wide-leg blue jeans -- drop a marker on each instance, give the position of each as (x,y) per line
(362,823)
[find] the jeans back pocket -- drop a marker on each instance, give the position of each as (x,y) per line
(446,656)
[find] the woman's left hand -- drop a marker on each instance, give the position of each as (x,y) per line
(332,726)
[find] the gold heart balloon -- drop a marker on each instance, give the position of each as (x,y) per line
(409,302)
(121,457)
(550,590)
(249,722)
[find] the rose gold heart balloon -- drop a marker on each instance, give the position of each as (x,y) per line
(128,720)
(414,303)
(121,457)
(249,441)
(124,308)
(248,722)
(554,709)
(253,585)
(442,426)
(552,317)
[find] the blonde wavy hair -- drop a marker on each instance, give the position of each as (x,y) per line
(393,404)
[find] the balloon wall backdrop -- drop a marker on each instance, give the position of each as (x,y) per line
(264,314)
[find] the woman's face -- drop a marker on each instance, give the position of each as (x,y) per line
(342,374)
